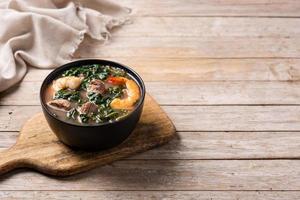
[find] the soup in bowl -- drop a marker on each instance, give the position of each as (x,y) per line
(92,104)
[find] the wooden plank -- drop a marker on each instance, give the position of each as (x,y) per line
(205,37)
(234,118)
(210,27)
(187,47)
(13,117)
(194,118)
(264,8)
(154,195)
(214,145)
(7,139)
(228,145)
(197,69)
(187,93)
(169,175)
(225,93)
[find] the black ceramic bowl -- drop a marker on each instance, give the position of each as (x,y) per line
(95,137)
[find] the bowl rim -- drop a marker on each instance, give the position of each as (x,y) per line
(52,75)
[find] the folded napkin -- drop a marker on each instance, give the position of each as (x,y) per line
(46,33)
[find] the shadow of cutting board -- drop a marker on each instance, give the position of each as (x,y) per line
(37,147)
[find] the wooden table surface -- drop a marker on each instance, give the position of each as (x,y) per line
(226,72)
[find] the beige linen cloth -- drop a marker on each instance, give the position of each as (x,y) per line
(45,33)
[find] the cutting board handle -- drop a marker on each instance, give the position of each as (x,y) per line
(11,159)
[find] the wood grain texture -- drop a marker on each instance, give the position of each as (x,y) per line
(191,47)
(188,93)
(228,145)
(37,147)
(198,8)
(198,69)
(235,118)
(8,139)
(213,145)
(237,175)
(207,27)
(231,52)
(194,118)
(153,195)
(204,37)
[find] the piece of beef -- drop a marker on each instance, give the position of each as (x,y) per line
(88,108)
(96,86)
(61,104)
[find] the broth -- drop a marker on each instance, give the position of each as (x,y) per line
(92,94)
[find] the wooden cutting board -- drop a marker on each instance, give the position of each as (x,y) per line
(38,148)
